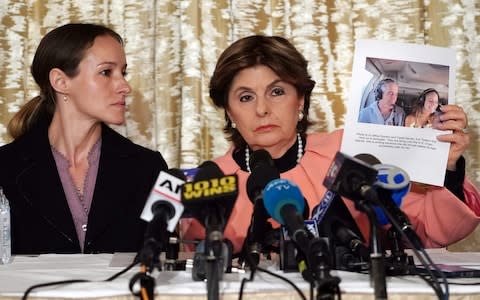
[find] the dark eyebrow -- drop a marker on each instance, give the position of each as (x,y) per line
(107,63)
(241,88)
(110,63)
(274,82)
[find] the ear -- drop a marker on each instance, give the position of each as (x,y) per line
(301,103)
(228,114)
(58,80)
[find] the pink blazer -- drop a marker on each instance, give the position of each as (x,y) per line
(438,216)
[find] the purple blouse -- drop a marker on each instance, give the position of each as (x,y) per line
(79,201)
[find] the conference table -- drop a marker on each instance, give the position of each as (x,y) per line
(25,271)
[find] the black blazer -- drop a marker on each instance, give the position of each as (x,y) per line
(41,218)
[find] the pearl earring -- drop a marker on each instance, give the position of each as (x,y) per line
(234,125)
(300,115)
(65,99)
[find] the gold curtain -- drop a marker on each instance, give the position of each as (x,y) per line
(172,47)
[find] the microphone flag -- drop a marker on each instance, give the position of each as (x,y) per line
(167,189)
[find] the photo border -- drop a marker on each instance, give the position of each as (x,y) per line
(416,150)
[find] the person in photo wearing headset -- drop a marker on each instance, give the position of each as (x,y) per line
(423,110)
(384,109)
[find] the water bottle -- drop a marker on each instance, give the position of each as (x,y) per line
(5,244)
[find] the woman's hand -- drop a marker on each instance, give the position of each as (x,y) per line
(454,118)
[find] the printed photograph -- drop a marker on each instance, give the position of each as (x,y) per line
(396,93)
(403,93)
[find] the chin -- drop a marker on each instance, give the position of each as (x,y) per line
(116,122)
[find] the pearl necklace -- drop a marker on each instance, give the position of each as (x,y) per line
(299,153)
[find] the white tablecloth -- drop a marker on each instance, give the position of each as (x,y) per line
(25,271)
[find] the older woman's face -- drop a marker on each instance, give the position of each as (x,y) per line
(265,109)
(431,102)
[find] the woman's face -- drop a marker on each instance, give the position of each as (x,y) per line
(265,109)
(431,102)
(99,90)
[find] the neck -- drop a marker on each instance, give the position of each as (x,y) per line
(73,139)
(277,151)
(423,118)
(290,158)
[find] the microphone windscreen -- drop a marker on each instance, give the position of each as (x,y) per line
(163,206)
(392,178)
(262,157)
(211,195)
(263,171)
(177,173)
(368,158)
(280,193)
(165,198)
(393,183)
(207,170)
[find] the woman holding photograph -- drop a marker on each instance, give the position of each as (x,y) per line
(423,111)
(263,85)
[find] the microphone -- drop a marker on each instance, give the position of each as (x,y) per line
(162,210)
(394,180)
(347,237)
(391,195)
(263,171)
(164,199)
(392,184)
(284,202)
(337,224)
(210,196)
(351,178)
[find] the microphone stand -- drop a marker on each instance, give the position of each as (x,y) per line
(327,285)
(252,247)
(317,269)
(377,258)
(149,257)
(172,263)
(255,244)
(213,254)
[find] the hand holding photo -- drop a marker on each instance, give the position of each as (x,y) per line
(396,93)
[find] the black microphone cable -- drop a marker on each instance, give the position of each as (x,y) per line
(257,268)
(71,281)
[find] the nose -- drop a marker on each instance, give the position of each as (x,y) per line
(262,106)
(124,86)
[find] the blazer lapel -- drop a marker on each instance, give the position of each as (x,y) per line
(42,189)
(109,195)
